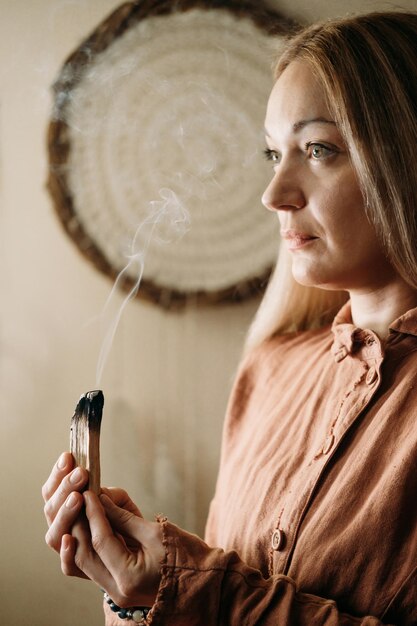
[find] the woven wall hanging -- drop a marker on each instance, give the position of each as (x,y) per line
(155,148)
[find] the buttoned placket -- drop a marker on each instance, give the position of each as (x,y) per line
(357,398)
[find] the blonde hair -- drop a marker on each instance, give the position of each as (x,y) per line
(367,65)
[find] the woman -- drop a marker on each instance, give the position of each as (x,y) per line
(315,510)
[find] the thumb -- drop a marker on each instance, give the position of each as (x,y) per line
(121,520)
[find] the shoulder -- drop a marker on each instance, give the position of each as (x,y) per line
(264,364)
(289,347)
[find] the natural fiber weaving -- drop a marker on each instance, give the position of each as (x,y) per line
(155,148)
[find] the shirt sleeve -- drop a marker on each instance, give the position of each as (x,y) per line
(203,585)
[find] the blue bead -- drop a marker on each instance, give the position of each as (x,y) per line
(122,613)
(114,607)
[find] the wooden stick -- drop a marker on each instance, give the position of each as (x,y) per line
(85,436)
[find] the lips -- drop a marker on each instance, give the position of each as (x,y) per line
(296,239)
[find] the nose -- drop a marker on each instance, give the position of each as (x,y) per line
(284,192)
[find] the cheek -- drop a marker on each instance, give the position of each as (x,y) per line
(356,239)
(345,219)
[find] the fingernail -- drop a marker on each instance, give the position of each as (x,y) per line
(87,498)
(71,501)
(62,461)
(76,476)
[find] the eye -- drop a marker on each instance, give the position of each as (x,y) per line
(272,155)
(319,151)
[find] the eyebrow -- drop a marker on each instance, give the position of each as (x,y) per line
(298,126)
(315,120)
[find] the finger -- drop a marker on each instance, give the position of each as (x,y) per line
(121,519)
(67,554)
(86,559)
(125,567)
(121,499)
(110,550)
(137,578)
(118,516)
(61,468)
(64,520)
(139,534)
(74,481)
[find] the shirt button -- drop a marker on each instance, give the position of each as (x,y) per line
(328,444)
(277,540)
(371,376)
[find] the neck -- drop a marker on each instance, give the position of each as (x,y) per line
(377,309)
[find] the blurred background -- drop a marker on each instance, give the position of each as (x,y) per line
(169,374)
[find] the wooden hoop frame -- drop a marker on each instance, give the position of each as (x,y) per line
(124,17)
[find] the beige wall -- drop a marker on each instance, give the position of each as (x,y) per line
(168,377)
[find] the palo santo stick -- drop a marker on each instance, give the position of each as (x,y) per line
(85,436)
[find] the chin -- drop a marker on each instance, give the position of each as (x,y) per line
(314,280)
(306,279)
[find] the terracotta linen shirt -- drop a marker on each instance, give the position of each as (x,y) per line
(314,519)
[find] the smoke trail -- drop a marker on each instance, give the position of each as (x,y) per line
(168,220)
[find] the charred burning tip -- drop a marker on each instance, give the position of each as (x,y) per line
(90,408)
(85,435)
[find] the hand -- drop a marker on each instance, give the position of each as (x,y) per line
(64,501)
(109,542)
(119,550)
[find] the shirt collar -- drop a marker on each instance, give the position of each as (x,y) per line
(343,330)
(406,324)
(349,338)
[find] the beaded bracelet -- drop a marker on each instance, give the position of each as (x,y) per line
(137,614)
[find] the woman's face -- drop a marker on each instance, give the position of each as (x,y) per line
(315,191)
